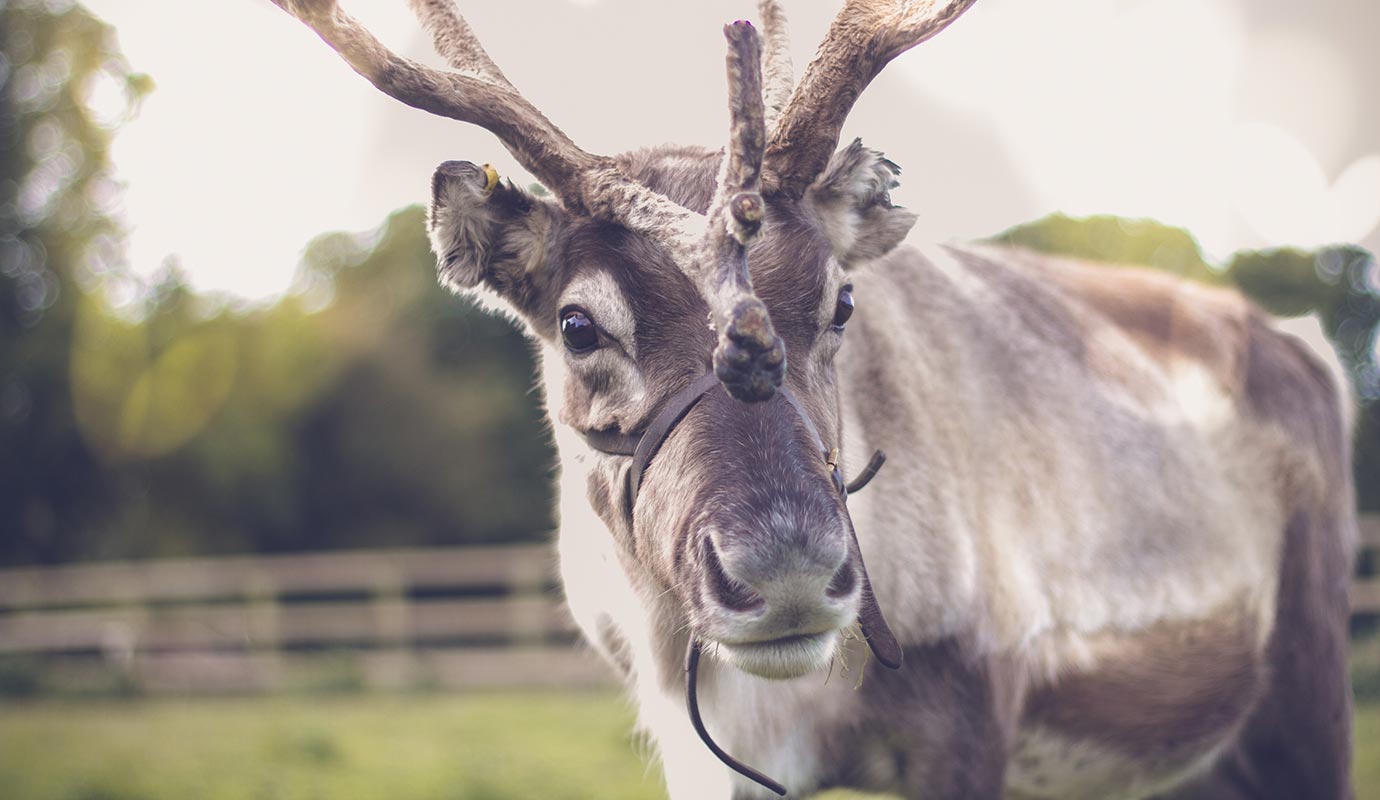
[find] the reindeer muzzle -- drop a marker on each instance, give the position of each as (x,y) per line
(643,448)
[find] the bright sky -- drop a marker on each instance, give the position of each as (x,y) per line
(1250,123)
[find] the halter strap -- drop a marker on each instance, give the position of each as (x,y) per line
(643,446)
(660,429)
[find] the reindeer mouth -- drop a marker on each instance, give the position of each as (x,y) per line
(784,657)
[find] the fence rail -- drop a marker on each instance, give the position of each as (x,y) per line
(462,618)
(1365,592)
(473,617)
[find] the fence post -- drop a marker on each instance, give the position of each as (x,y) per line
(527,577)
(120,639)
(397,664)
(264,656)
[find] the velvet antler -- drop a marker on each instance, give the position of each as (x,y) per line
(864,37)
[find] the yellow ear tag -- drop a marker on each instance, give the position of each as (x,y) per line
(491,178)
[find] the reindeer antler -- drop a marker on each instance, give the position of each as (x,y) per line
(863,38)
(481,95)
(779,77)
(712,251)
(750,359)
(455,40)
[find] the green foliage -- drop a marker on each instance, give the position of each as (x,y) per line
(1285,281)
(396,415)
(429,432)
(1115,240)
(368,408)
(56,239)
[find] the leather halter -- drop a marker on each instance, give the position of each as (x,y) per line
(643,448)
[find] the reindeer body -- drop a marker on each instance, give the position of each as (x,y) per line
(1128,499)
(1115,532)
(1115,503)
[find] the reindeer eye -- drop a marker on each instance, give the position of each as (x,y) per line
(844,309)
(578,331)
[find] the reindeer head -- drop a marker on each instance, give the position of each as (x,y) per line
(642,274)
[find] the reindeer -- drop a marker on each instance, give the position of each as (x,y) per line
(1115,529)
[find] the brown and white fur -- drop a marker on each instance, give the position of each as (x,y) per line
(1114,532)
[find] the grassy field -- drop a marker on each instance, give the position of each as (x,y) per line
(358,747)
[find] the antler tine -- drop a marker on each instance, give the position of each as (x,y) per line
(779,79)
(584,182)
(455,40)
(742,165)
(533,140)
(863,39)
(750,359)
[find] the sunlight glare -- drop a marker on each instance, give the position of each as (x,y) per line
(1096,113)
(1179,110)
(195,161)
(1287,199)
(1154,110)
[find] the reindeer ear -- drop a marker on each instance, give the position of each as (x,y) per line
(486,230)
(852,202)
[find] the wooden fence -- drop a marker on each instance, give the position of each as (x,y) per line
(463,618)
(1365,592)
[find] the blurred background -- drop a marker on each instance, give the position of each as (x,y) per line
(273,505)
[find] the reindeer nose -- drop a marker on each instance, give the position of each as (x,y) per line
(786,584)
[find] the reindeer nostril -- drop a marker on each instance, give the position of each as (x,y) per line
(733,595)
(841,585)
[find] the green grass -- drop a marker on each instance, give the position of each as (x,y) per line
(359,747)
(1366,769)
(419,747)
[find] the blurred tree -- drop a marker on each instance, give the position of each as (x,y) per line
(368,409)
(1115,240)
(431,426)
(63,88)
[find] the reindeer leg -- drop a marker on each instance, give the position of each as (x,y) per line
(1297,743)
(938,727)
